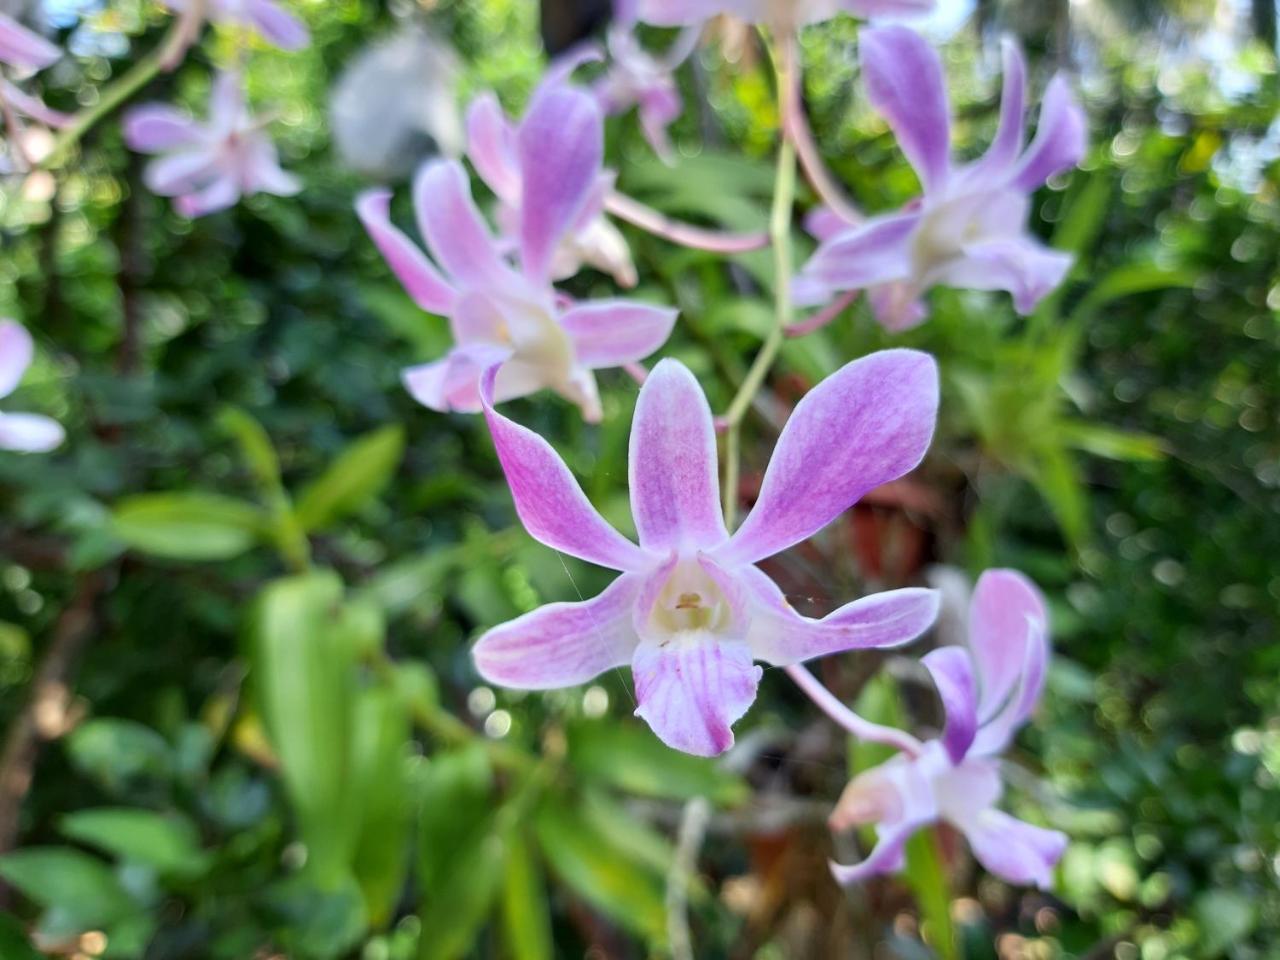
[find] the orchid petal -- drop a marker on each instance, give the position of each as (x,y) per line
(780,636)
(1003,604)
(823,223)
(874,252)
(492,148)
(609,333)
(453,383)
(1060,137)
(216,196)
(897,306)
(952,672)
(1011,133)
(560,144)
(548,500)
(419,278)
(1014,850)
(562,644)
(277,25)
(672,463)
(33,107)
(16,353)
(154,127)
(23,48)
(868,423)
(182,172)
(262,172)
(888,8)
(29,432)
(692,689)
(678,13)
(1024,267)
(905,84)
(456,234)
(897,797)
(1000,729)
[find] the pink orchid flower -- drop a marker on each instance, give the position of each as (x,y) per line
(989,689)
(493,146)
(498,313)
(27,432)
(208,166)
(692,612)
(784,16)
(637,78)
(26,50)
(967,230)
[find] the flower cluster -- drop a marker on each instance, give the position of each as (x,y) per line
(25,51)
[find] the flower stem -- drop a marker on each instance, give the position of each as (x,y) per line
(829,704)
(784,195)
(685,234)
(821,318)
(133,80)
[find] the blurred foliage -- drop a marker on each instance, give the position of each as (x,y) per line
(277,744)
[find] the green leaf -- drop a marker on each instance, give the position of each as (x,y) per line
(1055,474)
(120,753)
(632,759)
(255,446)
(526,913)
(317,921)
(379,777)
(1102,441)
(1127,280)
(591,864)
(1225,918)
(169,843)
(304,664)
(357,475)
(928,881)
(456,805)
(83,889)
(454,913)
(187,526)
(14,944)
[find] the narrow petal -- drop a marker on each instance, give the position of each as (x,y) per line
(1060,137)
(897,797)
(453,384)
(548,500)
(419,278)
(219,195)
(888,8)
(562,644)
(952,672)
(261,171)
(182,172)
(1004,605)
(24,49)
(781,637)
(672,466)
(905,84)
(1024,267)
(693,688)
(16,353)
(886,857)
(897,306)
(560,144)
(154,127)
(277,25)
(609,333)
(33,107)
(1014,850)
(875,252)
(29,432)
(678,13)
(492,148)
(823,223)
(455,232)
(999,731)
(1012,132)
(868,423)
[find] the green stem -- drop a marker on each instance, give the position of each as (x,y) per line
(133,80)
(784,194)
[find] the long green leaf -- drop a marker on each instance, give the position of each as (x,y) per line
(188,525)
(526,912)
(357,475)
(928,881)
(167,842)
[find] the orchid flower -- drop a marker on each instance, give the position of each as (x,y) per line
(967,230)
(27,51)
(638,78)
(692,611)
(208,166)
(493,146)
(267,18)
(783,16)
(989,689)
(498,313)
(27,432)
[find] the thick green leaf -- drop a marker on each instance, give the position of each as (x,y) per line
(631,758)
(187,526)
(304,671)
(167,842)
(590,863)
(378,777)
(14,943)
(526,913)
(357,475)
(83,889)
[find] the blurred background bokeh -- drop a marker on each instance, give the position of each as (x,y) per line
(173,792)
